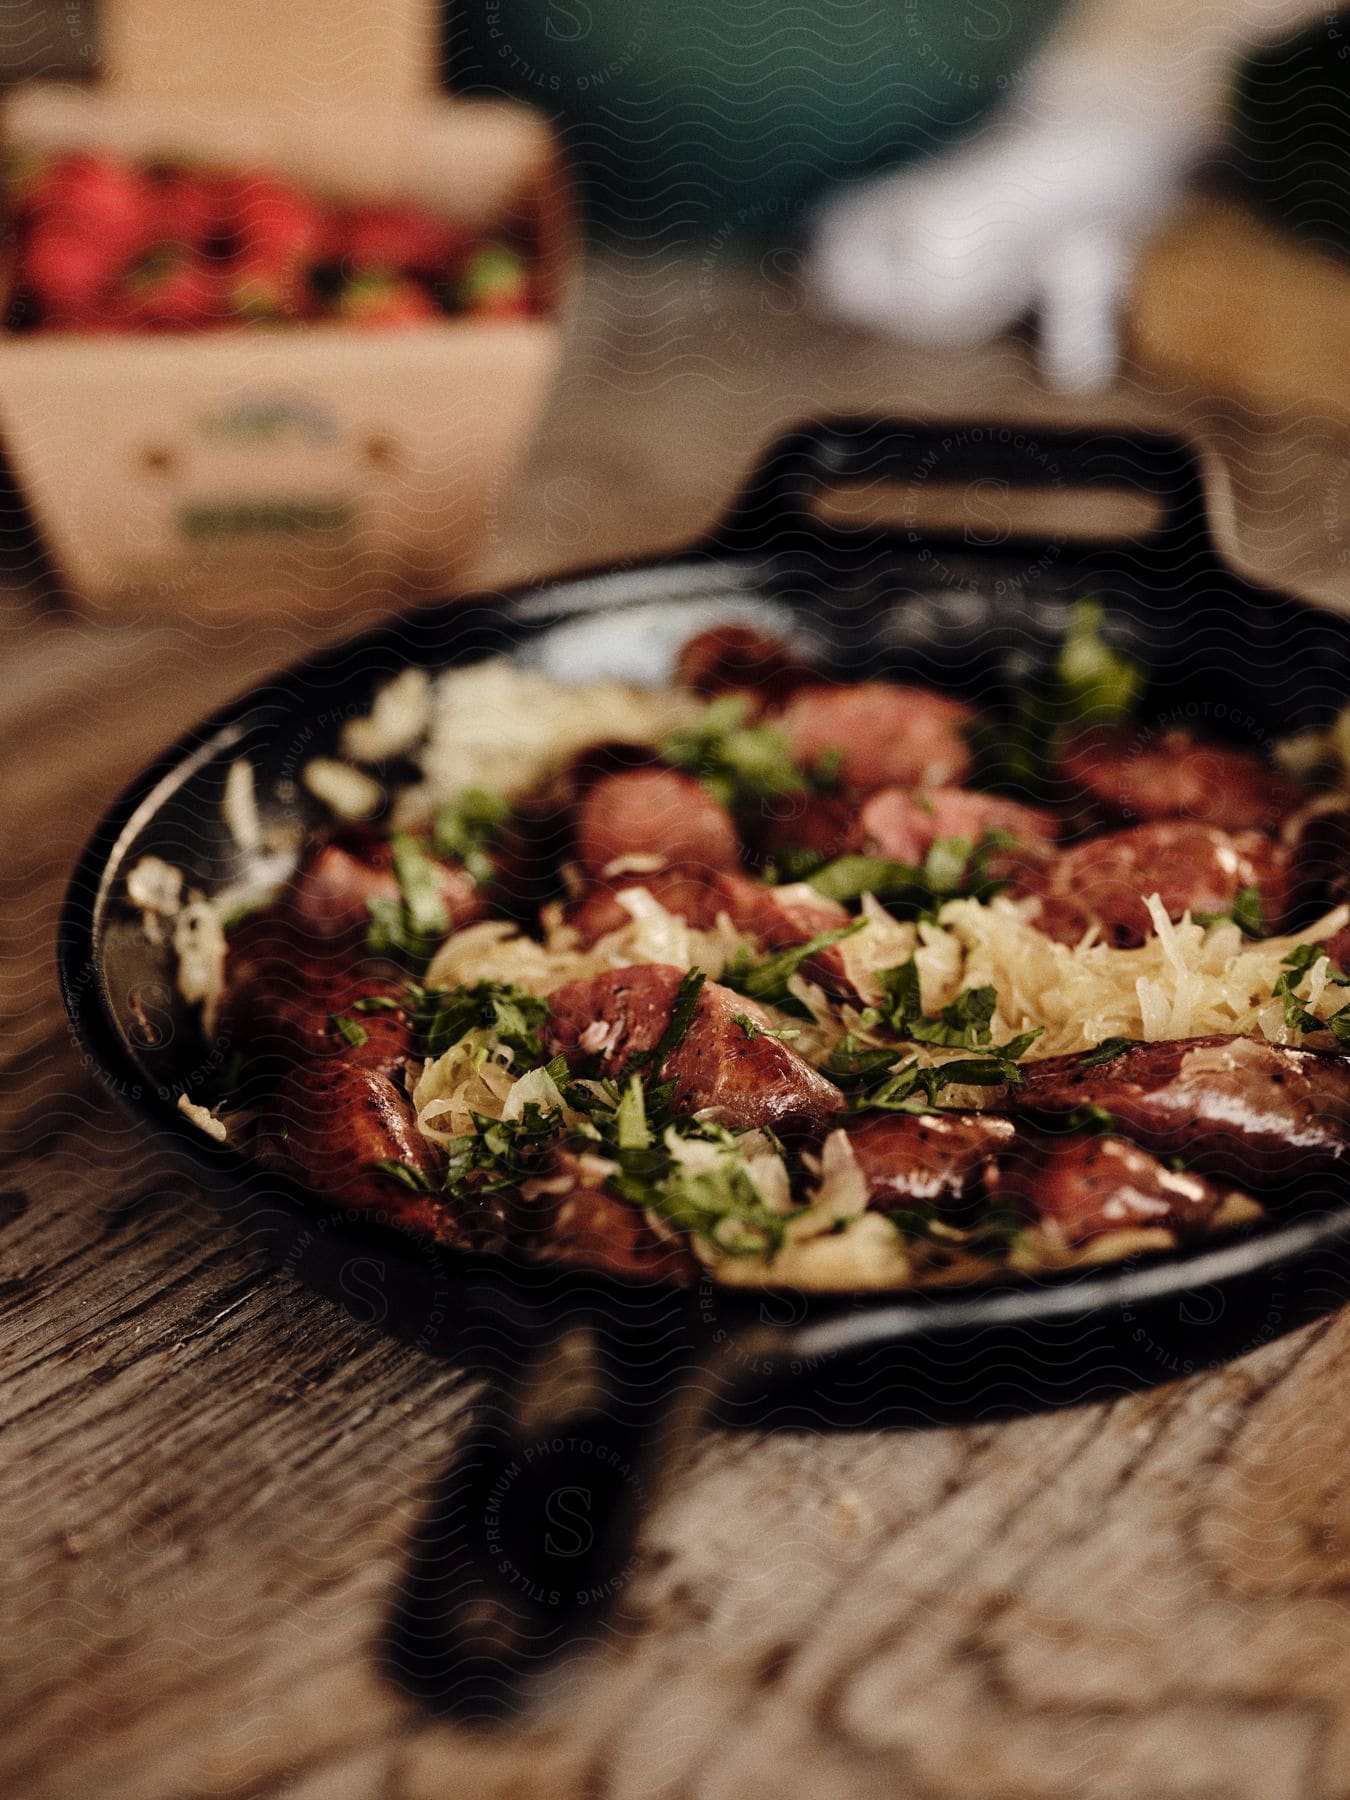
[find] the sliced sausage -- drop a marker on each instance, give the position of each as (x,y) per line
(825,825)
(1260,1114)
(653,812)
(330,891)
(945,1160)
(283,990)
(905,823)
(1090,1185)
(605,1024)
(1192,868)
(886,735)
(1176,777)
(741,659)
(572,1219)
(339,1120)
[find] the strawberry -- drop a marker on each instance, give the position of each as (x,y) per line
(184,207)
(495,284)
(384,300)
(171,291)
(397,238)
(69,274)
(98,198)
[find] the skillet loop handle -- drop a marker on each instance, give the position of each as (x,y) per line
(529,1541)
(776,512)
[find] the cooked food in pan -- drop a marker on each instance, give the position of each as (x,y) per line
(779,981)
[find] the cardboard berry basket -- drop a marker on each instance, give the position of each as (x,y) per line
(287,464)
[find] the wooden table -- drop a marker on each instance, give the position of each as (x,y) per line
(208,1472)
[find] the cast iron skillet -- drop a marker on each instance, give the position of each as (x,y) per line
(594,1382)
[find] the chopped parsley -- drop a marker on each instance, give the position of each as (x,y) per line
(468,828)
(753,1031)
(445,1015)
(1091,683)
(965,1024)
(742,764)
(1106,1052)
(405,1174)
(349,1031)
(1246,912)
(413,925)
(874,1079)
(1297,1013)
(681,1018)
(1091,1118)
(767,980)
(953,867)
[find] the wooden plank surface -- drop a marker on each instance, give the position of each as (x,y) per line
(209,1473)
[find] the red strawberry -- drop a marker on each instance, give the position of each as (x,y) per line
(171,292)
(274,225)
(378,300)
(102,200)
(496,284)
(397,238)
(69,274)
(184,207)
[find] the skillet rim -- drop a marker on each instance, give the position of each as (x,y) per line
(832,1320)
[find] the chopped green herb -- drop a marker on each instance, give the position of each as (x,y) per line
(740,764)
(753,1031)
(1091,683)
(349,1030)
(374,1003)
(720,1203)
(405,1174)
(1092,1118)
(952,867)
(631,1130)
(1297,1013)
(514,1014)
(415,923)
(1105,1052)
(1246,912)
(498,1154)
(468,828)
(767,981)
(681,1017)
(1097,685)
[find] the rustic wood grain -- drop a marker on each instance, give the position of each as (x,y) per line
(209,1473)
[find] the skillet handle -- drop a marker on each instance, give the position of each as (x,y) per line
(529,1539)
(775,511)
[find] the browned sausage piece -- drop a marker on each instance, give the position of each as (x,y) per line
(905,824)
(1260,1114)
(329,893)
(340,1120)
(740,659)
(575,1221)
(602,1024)
(1089,1185)
(283,989)
(653,812)
(945,1160)
(887,736)
(1133,777)
(1189,867)
(824,824)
